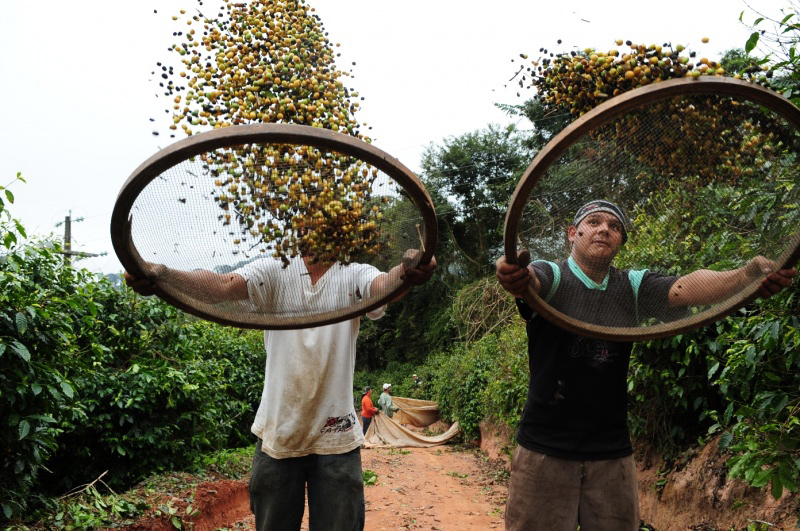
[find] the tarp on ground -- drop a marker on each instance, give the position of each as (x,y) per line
(385,432)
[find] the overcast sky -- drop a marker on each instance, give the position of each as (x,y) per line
(77,94)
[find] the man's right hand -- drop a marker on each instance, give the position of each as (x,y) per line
(146,285)
(512,277)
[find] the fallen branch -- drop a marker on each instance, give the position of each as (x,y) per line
(82,488)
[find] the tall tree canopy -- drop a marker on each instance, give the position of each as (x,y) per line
(474,175)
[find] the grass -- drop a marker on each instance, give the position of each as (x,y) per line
(370,477)
(170,494)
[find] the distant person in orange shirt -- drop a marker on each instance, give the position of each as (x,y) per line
(367,409)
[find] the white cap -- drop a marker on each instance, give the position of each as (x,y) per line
(386,386)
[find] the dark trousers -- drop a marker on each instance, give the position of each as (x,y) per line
(335,491)
(365,422)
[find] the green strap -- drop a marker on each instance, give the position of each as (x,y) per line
(556,279)
(635,278)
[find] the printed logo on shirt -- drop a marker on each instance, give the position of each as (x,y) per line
(339,424)
(594,352)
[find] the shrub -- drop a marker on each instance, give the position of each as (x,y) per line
(94,378)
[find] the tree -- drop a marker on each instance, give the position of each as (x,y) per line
(546,123)
(738,62)
(776,38)
(474,175)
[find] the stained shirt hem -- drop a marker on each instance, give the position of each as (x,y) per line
(318,450)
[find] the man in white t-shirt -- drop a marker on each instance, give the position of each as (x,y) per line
(308,432)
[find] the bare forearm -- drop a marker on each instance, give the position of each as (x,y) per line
(704,286)
(204,286)
(384,281)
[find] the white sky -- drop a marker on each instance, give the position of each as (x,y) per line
(76,94)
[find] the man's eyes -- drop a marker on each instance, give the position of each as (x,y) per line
(613,226)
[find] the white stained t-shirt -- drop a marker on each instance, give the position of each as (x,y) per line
(307,403)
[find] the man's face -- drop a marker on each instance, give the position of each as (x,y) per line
(597,238)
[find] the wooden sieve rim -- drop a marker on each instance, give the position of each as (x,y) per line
(600,115)
(262,134)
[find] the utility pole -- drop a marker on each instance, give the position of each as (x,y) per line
(68,252)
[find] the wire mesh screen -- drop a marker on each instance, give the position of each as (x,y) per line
(317,234)
(708,184)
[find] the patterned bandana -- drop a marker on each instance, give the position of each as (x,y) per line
(600,205)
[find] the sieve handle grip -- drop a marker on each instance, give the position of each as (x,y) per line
(523,258)
(794,256)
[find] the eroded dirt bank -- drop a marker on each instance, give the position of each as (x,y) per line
(699,495)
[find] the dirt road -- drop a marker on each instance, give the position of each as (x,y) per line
(427,488)
(444,488)
(441,488)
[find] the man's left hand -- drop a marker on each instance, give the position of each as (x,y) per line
(775,282)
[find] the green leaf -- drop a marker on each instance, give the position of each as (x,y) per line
(24,429)
(369,477)
(176,522)
(728,413)
(777,487)
(54,392)
(2,348)
(751,42)
(21,351)
(725,440)
(7,510)
(784,399)
(713,369)
(786,18)
(20,228)
(735,465)
(9,239)
(22,323)
(762,477)
(67,388)
(750,355)
(786,477)
(9,196)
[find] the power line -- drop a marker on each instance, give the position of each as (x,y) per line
(68,252)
